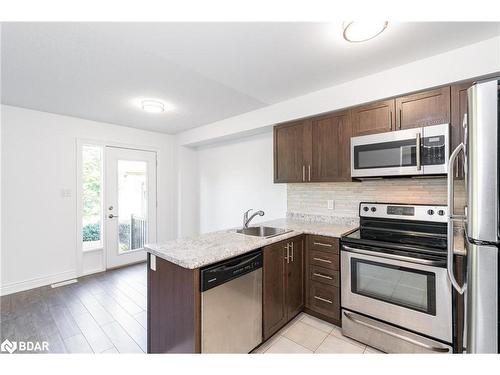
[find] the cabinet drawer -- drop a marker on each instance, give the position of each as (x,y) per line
(325,299)
(323,259)
(324,275)
(322,243)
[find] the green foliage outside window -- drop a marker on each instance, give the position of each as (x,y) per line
(91,179)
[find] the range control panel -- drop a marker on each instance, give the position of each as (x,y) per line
(417,212)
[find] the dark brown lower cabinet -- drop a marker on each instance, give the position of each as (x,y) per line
(174,308)
(283,283)
(323,278)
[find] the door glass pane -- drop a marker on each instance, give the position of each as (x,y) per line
(91,196)
(401,286)
(387,154)
(132,205)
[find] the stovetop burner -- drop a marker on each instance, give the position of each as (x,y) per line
(413,230)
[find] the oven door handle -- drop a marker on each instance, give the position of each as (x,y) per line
(402,258)
(396,335)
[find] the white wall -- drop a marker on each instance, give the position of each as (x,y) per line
(236,176)
(460,64)
(39,224)
(188,191)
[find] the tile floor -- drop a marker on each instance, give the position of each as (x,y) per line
(307,334)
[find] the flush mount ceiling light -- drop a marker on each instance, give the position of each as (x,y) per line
(361,31)
(152,106)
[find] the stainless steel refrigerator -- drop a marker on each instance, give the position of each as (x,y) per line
(481,217)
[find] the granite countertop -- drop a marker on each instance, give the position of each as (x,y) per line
(209,248)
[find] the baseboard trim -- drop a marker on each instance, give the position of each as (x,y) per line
(36,282)
(91,272)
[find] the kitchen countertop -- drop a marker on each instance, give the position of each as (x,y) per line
(209,248)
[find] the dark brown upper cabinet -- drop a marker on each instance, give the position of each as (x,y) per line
(374,118)
(283,283)
(317,149)
(313,150)
(458,110)
(330,156)
(291,149)
(423,109)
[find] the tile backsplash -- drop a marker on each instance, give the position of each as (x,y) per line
(309,200)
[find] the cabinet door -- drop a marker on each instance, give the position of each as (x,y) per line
(423,109)
(295,278)
(344,154)
(274,289)
(373,118)
(327,149)
(289,151)
(458,110)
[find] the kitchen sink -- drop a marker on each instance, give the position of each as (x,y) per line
(263,231)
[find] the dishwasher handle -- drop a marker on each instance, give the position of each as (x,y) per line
(228,270)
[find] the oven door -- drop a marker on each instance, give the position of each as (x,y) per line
(415,296)
(409,152)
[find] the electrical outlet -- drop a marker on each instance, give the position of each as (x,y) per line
(330,203)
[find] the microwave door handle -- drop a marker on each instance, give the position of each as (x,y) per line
(451,220)
(418,147)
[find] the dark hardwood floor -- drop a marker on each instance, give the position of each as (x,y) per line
(102,313)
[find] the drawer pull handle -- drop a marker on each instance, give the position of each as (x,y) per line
(323,260)
(323,299)
(323,276)
(322,244)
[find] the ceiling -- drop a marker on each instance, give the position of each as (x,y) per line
(207,71)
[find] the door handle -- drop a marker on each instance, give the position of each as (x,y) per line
(419,144)
(309,172)
(111,216)
(287,258)
(451,220)
(291,245)
(303,173)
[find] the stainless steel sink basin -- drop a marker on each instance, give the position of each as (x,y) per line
(263,231)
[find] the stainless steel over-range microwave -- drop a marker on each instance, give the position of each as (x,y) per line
(411,152)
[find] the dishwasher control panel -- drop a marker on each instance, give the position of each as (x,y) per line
(217,274)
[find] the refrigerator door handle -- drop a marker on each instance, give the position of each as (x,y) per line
(452,218)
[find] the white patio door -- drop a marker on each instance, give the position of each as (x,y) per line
(130,204)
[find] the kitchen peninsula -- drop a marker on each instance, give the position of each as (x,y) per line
(174,282)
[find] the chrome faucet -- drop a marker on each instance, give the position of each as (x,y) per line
(246,219)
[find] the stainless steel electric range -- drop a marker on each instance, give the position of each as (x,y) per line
(396,294)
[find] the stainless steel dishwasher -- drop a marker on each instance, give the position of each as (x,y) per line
(231,305)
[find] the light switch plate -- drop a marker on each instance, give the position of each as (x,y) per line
(152,262)
(66,193)
(330,203)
